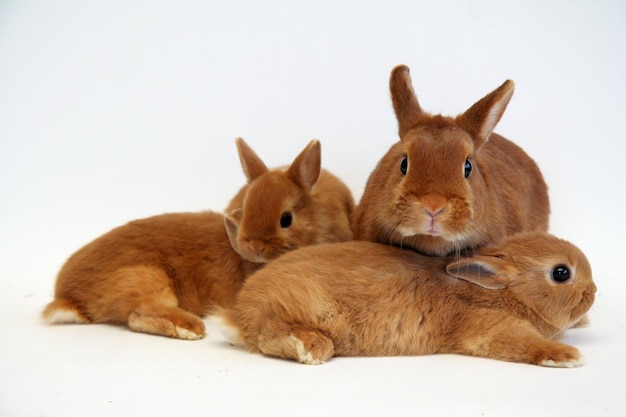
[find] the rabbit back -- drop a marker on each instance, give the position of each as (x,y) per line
(180,261)
(348,292)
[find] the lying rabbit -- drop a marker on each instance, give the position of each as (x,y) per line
(450,183)
(162,274)
(368,299)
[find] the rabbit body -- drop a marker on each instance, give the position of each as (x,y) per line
(158,275)
(450,183)
(368,299)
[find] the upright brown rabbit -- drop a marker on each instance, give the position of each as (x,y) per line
(450,183)
(162,274)
(367,299)
(301,205)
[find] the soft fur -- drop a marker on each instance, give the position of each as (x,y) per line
(160,275)
(368,299)
(433,208)
(320,206)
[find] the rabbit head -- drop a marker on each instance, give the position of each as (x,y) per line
(547,274)
(275,216)
(431,191)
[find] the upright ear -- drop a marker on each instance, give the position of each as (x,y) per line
(408,110)
(488,272)
(480,119)
(252,165)
(305,169)
(231,224)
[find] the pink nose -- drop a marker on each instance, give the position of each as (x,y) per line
(433,214)
(433,204)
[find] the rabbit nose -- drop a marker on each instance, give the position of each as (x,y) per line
(257,251)
(433,214)
(433,204)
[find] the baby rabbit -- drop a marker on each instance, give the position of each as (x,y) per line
(306,205)
(450,183)
(160,275)
(367,299)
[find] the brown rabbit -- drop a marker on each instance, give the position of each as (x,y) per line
(306,205)
(450,183)
(162,274)
(367,299)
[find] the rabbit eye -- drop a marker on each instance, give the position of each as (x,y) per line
(561,273)
(404,164)
(285,219)
(467,168)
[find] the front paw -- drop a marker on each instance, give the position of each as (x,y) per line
(560,356)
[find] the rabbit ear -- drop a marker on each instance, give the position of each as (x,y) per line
(253,166)
(480,119)
(486,271)
(306,168)
(405,104)
(231,224)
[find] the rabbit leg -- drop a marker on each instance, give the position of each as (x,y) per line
(537,350)
(306,346)
(520,342)
(160,319)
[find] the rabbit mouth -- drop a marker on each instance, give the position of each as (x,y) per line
(428,227)
(586,301)
(253,254)
(445,223)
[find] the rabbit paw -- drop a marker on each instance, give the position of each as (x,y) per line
(304,356)
(563,364)
(564,357)
(187,334)
(312,348)
(305,346)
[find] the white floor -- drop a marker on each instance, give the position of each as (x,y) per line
(117,110)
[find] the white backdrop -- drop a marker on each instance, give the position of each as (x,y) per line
(111,111)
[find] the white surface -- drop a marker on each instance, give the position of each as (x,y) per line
(111,111)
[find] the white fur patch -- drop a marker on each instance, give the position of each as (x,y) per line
(231,332)
(565,364)
(186,334)
(64,315)
(304,356)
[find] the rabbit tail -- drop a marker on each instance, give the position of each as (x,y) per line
(64,311)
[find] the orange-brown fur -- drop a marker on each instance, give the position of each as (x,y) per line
(159,275)
(368,299)
(320,204)
(162,274)
(433,208)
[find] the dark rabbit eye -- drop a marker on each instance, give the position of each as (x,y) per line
(404,164)
(285,219)
(467,169)
(561,273)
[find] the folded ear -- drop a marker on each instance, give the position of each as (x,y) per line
(486,271)
(305,169)
(405,104)
(253,166)
(231,224)
(480,119)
